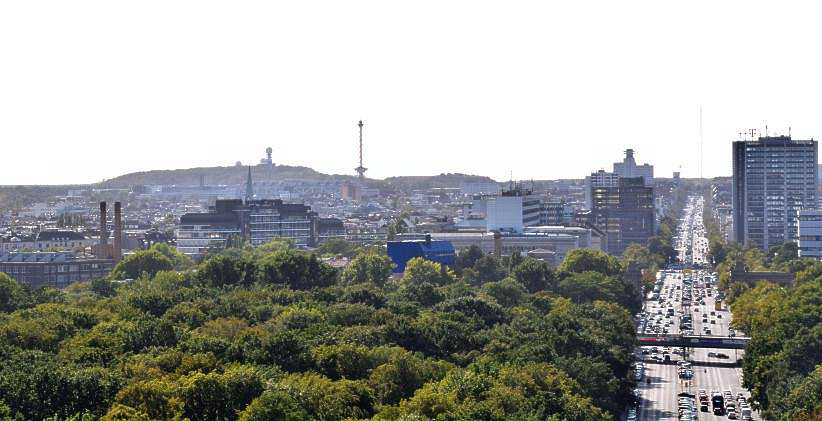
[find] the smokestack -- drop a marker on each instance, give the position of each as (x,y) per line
(118,233)
(498,244)
(103,227)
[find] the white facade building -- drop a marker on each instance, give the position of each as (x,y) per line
(628,168)
(510,211)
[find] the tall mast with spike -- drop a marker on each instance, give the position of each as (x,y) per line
(361,170)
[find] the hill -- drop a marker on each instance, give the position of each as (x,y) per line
(217,175)
(442,180)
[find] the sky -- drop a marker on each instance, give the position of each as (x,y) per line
(90,90)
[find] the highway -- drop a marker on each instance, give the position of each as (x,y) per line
(659,398)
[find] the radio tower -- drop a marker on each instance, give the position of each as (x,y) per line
(361,170)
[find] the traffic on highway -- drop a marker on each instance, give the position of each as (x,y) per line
(688,383)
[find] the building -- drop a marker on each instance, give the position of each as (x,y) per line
(773,179)
(556,212)
(350,191)
(255,221)
(510,211)
(810,233)
(629,169)
(625,213)
(401,252)
(330,228)
(552,241)
(480,187)
(53,269)
(598,179)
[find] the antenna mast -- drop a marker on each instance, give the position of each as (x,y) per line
(700,142)
(360,170)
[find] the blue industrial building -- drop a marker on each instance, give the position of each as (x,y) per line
(401,252)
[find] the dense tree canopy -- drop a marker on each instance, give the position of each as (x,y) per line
(275,334)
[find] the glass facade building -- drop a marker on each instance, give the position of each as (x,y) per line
(773,179)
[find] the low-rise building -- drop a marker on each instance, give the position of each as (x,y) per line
(54,269)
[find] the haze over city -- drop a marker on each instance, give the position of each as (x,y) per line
(92,90)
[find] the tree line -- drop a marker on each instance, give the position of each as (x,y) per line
(275,334)
(783,360)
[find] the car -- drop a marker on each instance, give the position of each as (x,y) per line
(732,415)
(722,355)
(713,322)
(712,354)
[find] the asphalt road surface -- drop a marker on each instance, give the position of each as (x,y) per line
(659,400)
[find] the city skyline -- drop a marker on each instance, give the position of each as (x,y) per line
(514,90)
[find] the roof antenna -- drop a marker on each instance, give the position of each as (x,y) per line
(766,130)
(789,131)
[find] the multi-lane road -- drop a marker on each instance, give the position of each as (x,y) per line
(682,292)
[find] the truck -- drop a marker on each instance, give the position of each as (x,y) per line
(718,403)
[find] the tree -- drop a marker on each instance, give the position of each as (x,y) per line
(534,274)
(274,405)
(296,269)
(488,269)
(337,247)
(467,257)
(507,292)
(179,260)
(585,260)
(368,267)
(12,294)
(221,270)
(419,271)
(143,261)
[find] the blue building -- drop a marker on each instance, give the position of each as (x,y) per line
(401,252)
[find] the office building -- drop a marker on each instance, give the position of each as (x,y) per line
(810,233)
(773,179)
(510,211)
(599,178)
(255,221)
(625,213)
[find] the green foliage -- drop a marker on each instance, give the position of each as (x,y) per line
(223,270)
(144,261)
(368,267)
(590,260)
(12,294)
(274,405)
(276,334)
(534,275)
(296,269)
(337,247)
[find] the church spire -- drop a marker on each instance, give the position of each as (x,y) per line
(249,190)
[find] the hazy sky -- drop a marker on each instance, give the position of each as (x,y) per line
(92,90)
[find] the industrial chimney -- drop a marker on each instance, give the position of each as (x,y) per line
(103,227)
(118,233)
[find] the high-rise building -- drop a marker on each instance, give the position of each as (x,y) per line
(773,179)
(599,179)
(628,168)
(625,213)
